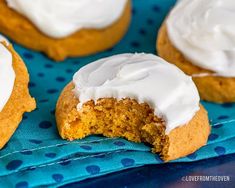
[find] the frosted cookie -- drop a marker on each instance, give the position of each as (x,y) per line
(62,28)
(198,37)
(15,99)
(136,96)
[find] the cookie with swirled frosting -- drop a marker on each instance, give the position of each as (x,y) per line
(15,99)
(136,96)
(62,28)
(198,39)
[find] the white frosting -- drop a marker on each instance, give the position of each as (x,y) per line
(61,18)
(144,77)
(204,31)
(7,74)
(2,38)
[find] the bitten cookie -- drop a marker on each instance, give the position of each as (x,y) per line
(81,28)
(194,38)
(136,96)
(15,99)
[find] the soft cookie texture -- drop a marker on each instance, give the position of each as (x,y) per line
(131,120)
(19,102)
(81,43)
(211,88)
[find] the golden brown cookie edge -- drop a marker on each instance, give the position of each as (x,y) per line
(82,43)
(19,102)
(195,132)
(211,88)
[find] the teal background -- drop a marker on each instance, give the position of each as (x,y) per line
(37,156)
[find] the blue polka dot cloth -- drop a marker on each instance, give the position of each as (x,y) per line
(37,156)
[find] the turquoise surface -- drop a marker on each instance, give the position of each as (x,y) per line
(37,156)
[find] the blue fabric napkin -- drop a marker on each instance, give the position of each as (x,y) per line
(37,156)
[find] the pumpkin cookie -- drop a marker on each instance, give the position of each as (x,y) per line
(195,38)
(65,28)
(15,99)
(136,96)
